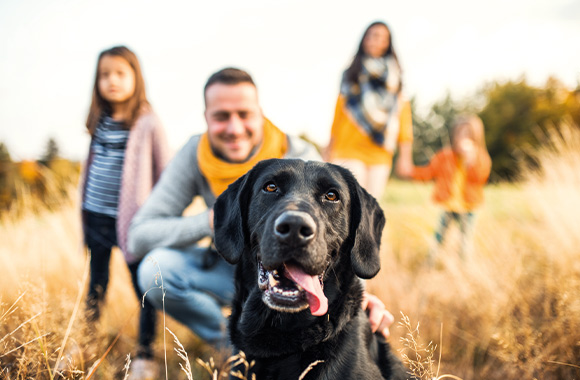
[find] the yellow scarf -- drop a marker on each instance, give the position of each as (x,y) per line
(220,174)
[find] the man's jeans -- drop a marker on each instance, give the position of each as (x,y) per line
(197,284)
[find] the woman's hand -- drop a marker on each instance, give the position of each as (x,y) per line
(404,165)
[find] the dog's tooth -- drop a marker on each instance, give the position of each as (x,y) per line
(271,280)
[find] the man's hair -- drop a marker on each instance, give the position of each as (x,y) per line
(230,76)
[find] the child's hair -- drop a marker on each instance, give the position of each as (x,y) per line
(476,130)
(137,102)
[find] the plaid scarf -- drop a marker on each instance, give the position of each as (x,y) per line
(372,101)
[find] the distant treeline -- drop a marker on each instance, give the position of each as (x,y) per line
(516,115)
(32,185)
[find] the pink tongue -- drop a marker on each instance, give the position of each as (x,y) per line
(314,294)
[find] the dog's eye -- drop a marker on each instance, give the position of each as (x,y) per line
(331,196)
(270,187)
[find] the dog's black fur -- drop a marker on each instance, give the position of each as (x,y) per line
(338,241)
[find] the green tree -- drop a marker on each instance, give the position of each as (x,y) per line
(515,116)
(6,177)
(50,153)
(4,153)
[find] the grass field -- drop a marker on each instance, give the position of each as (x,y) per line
(510,311)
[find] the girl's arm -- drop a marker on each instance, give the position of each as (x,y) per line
(160,221)
(161,152)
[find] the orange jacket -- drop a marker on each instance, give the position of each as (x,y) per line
(442,168)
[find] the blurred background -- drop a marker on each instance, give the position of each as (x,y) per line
(296,51)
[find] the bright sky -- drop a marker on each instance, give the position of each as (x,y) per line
(295,50)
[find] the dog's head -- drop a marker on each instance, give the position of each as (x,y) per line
(294,222)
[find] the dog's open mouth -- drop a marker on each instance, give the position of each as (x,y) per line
(289,289)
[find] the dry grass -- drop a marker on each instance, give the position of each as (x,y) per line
(509,312)
(44,269)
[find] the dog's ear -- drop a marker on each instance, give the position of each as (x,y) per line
(229,220)
(367,223)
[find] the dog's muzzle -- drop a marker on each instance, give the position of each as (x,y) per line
(289,289)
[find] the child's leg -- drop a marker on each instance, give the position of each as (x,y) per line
(443,226)
(100,236)
(147,318)
(466,228)
(439,236)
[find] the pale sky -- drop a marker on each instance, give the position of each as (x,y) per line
(295,50)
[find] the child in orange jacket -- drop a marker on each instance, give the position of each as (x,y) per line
(460,172)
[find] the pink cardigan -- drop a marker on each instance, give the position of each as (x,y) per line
(146,155)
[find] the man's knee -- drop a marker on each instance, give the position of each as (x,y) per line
(151,272)
(164,268)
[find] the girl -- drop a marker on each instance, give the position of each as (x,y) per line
(128,151)
(371,116)
(459,172)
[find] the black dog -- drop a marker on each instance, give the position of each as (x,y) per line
(301,232)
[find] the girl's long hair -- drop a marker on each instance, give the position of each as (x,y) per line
(356,66)
(137,102)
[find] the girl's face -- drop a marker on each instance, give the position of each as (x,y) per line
(376,41)
(463,140)
(116,79)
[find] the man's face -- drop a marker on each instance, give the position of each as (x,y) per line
(234,120)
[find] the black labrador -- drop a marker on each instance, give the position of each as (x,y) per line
(302,233)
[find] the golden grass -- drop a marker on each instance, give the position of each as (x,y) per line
(508,312)
(511,310)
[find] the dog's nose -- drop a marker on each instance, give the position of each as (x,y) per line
(294,228)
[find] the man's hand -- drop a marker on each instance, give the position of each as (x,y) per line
(379,317)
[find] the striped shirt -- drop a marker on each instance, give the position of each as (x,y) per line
(106,169)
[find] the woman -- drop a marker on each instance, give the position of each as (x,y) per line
(371,115)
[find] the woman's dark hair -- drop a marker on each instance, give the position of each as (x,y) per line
(137,102)
(356,66)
